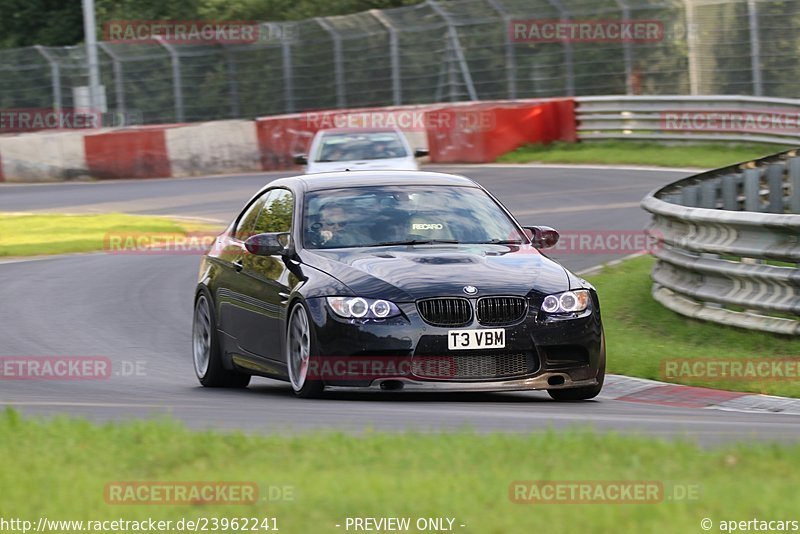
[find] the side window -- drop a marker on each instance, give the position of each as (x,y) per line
(247,221)
(276,216)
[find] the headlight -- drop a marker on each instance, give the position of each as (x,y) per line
(361,308)
(567,302)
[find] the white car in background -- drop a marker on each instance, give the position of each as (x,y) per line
(358,149)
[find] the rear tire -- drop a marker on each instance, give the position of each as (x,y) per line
(300,349)
(207,356)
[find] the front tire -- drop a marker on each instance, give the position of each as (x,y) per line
(576,394)
(206,353)
(589,392)
(299,352)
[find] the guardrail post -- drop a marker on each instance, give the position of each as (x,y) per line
(394,55)
(338,62)
(730,196)
(689,196)
(177,87)
(794,174)
(775,185)
(55,74)
(457,50)
(708,194)
(752,190)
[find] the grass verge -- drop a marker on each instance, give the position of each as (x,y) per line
(59,469)
(702,155)
(43,234)
(642,335)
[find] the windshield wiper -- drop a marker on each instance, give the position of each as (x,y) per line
(497,242)
(416,242)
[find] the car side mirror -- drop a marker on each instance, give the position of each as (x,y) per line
(542,236)
(300,159)
(269,244)
(421,152)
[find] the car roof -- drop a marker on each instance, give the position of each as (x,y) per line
(358,130)
(346,179)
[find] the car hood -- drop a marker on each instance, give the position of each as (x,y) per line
(397,164)
(404,274)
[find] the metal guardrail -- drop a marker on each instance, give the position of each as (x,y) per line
(729,244)
(689,118)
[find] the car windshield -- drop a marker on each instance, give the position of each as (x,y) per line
(359,146)
(404,215)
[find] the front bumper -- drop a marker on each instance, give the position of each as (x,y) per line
(539,382)
(559,353)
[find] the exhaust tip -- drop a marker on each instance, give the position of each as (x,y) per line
(556,380)
(391,385)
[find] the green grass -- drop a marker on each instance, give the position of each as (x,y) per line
(59,469)
(43,234)
(702,155)
(641,334)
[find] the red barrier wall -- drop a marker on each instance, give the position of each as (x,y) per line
(280,138)
(139,153)
(482,132)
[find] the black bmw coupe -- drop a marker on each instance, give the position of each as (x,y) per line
(392,280)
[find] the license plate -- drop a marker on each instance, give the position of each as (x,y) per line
(476,339)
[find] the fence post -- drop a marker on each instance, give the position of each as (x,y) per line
(691,43)
(341,97)
(626,49)
(755,48)
(564,14)
(286,59)
(55,73)
(119,89)
(177,88)
(511,60)
(233,86)
(394,55)
(456,47)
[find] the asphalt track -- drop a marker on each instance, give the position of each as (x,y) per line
(136,311)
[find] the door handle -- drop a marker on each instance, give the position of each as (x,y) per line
(238,265)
